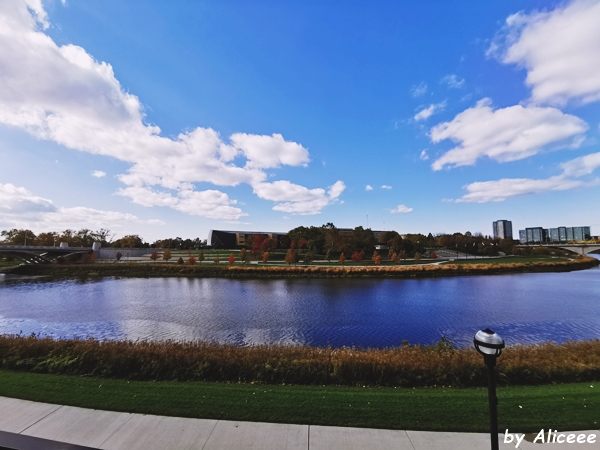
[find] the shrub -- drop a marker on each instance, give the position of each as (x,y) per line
(231,259)
(342,259)
(180,260)
(191,261)
(154,256)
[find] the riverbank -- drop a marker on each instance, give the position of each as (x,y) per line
(574,406)
(264,271)
(404,366)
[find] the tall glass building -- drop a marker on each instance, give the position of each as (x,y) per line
(503,229)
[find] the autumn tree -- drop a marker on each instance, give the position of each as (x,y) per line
(201,255)
(377,259)
(342,259)
(180,260)
(375,256)
(191,261)
(358,256)
(402,255)
(257,243)
(243,254)
(268,245)
(417,257)
(231,259)
(154,256)
(265,257)
(167,255)
(308,258)
(290,257)
(217,259)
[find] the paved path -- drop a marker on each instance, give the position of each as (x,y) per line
(29,425)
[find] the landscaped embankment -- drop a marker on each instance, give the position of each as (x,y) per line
(267,271)
(408,366)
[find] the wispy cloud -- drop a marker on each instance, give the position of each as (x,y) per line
(500,190)
(429,111)
(453,81)
(385,186)
(419,90)
(401,209)
(424,156)
(19,208)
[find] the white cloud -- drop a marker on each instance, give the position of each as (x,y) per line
(500,190)
(20,208)
(385,186)
(368,187)
(296,199)
(560,50)
(401,209)
(426,113)
(419,90)
(61,93)
(98,173)
(18,200)
(453,82)
(506,134)
(424,156)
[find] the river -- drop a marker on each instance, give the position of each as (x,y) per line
(522,308)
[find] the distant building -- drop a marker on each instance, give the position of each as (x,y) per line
(503,229)
(540,235)
(237,239)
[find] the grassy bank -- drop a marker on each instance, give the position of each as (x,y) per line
(407,366)
(260,271)
(522,409)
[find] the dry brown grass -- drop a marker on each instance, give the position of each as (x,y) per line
(410,366)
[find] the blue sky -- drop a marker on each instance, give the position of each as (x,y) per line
(173,118)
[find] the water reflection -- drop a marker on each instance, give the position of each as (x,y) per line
(523,308)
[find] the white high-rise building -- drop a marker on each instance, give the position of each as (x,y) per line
(503,229)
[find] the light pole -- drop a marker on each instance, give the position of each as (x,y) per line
(490,345)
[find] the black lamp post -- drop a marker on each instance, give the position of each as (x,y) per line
(490,345)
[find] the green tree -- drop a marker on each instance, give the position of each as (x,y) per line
(46,239)
(18,237)
(328,255)
(201,255)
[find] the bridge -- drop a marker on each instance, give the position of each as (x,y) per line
(582,249)
(31,254)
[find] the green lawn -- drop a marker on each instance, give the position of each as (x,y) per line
(521,408)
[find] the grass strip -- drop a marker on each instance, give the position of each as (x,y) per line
(522,408)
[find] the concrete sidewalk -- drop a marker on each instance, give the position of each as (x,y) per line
(31,422)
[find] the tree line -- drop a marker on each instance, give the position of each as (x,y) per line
(86,237)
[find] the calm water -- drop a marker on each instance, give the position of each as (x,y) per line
(523,308)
